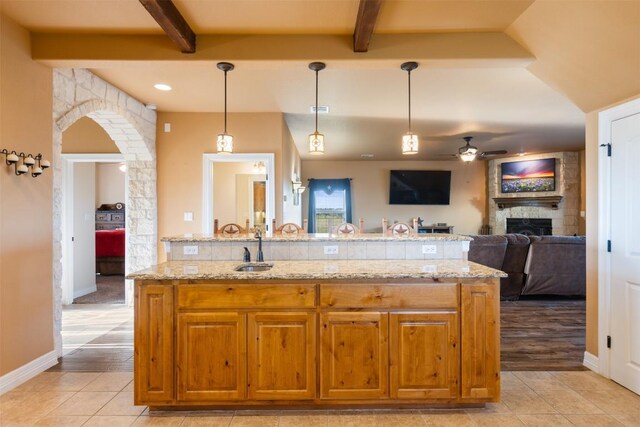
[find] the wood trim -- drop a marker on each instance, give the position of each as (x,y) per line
(367,15)
(172,23)
(541,201)
(443,295)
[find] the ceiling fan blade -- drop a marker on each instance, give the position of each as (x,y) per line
(493,153)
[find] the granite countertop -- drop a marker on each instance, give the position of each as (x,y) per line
(320,270)
(315,237)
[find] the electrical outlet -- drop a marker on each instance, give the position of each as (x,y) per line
(331,250)
(190,250)
(188,216)
(429,249)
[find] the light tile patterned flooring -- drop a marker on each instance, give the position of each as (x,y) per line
(531,398)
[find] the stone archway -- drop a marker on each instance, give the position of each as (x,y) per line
(77,93)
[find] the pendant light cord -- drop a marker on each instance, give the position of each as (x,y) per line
(409,74)
(225,102)
(316,101)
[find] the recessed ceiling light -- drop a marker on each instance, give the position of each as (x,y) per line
(366,156)
(162,86)
(521,154)
(322,109)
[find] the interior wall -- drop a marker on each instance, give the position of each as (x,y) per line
(225,191)
(110,183)
(370,192)
(26,317)
(179,157)
(291,166)
(87,136)
(582,221)
(84,227)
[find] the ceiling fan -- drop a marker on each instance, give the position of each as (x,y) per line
(469,153)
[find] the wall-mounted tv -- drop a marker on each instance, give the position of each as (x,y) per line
(528,176)
(419,187)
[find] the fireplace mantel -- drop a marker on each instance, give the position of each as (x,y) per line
(540,201)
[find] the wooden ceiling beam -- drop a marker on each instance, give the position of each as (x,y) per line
(366,21)
(172,22)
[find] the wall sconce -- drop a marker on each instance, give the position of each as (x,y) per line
(297,189)
(36,163)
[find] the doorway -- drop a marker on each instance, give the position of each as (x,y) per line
(248,179)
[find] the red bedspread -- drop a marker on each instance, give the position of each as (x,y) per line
(110,243)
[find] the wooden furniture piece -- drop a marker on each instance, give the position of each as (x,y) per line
(348,229)
(261,343)
(289,228)
(426,229)
(231,229)
(110,216)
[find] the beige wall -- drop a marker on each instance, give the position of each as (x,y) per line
(26,318)
(87,136)
(291,166)
(582,222)
(225,191)
(179,157)
(370,192)
(109,184)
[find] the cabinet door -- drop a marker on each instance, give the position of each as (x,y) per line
(354,355)
(282,354)
(211,356)
(153,357)
(480,340)
(424,355)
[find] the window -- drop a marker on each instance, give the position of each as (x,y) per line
(329,204)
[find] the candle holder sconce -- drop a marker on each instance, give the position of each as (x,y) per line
(24,162)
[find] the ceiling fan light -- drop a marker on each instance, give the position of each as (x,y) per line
(225,143)
(316,143)
(468,156)
(409,143)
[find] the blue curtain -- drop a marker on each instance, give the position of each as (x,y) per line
(328,186)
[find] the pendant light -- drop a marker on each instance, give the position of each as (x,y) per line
(409,140)
(316,139)
(225,141)
(468,152)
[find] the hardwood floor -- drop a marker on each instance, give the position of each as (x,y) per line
(537,335)
(542,335)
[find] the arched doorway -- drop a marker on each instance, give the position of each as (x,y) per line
(78,93)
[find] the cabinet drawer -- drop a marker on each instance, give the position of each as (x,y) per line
(441,295)
(279,295)
(103,217)
(117,217)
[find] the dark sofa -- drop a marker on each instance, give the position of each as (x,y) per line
(549,265)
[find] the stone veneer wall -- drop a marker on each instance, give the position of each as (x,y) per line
(76,93)
(564,219)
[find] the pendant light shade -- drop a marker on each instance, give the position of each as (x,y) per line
(468,152)
(224,142)
(409,140)
(316,139)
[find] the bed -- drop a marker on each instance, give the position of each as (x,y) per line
(110,251)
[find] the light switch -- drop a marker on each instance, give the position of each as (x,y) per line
(190,250)
(167,127)
(188,216)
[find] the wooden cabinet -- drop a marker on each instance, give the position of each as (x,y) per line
(282,354)
(211,356)
(424,355)
(480,341)
(354,355)
(153,355)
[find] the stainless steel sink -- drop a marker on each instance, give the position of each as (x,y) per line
(252,268)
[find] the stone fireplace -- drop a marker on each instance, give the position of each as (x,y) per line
(560,207)
(530,226)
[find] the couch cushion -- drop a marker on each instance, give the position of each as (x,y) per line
(515,258)
(488,250)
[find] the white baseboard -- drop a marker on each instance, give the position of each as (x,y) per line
(24,373)
(591,362)
(84,291)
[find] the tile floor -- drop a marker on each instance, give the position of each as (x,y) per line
(70,395)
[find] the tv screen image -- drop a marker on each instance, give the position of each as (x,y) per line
(416,187)
(529,176)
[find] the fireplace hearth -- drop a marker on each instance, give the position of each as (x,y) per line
(530,226)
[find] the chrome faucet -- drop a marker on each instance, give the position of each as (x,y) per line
(260,255)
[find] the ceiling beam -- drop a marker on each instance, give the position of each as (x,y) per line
(171,21)
(367,16)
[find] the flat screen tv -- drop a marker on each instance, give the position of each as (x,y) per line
(419,187)
(528,176)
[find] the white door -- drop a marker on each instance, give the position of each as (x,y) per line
(625,252)
(84,229)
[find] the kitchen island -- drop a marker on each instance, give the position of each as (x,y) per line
(374,333)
